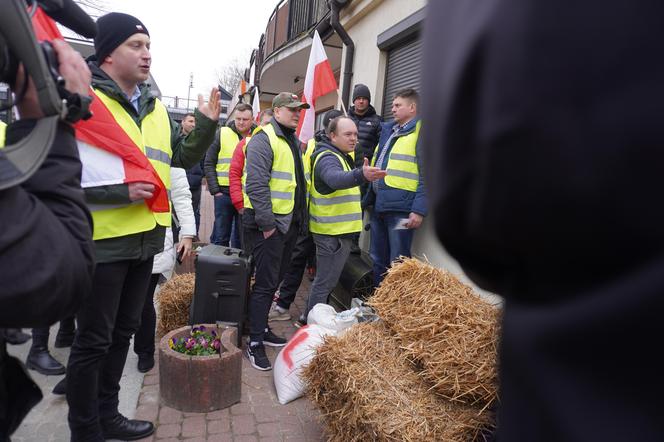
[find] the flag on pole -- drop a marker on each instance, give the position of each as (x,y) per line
(256,105)
(318,82)
(108,153)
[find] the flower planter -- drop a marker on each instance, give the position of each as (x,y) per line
(199,384)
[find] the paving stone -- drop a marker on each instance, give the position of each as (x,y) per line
(193,426)
(241,408)
(219,414)
(245,439)
(196,439)
(268,430)
(151,380)
(226,437)
(265,413)
(168,430)
(222,425)
(147,412)
(244,424)
(168,415)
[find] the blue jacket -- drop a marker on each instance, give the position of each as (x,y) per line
(390,199)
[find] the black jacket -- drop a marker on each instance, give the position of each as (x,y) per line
(46,250)
(368,131)
(544,165)
(210,164)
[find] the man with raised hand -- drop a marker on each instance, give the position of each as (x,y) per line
(127,233)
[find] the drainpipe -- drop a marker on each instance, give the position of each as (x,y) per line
(335,7)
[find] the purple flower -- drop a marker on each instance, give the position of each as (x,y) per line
(214,333)
(202,328)
(216,344)
(203,342)
(194,330)
(190,343)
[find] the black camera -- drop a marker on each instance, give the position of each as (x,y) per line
(18,45)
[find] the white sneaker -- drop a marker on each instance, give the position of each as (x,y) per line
(278,314)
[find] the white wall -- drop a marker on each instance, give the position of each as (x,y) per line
(364,20)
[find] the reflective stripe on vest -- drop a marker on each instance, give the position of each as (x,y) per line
(3,129)
(228,140)
(337,213)
(154,140)
(282,178)
(402,169)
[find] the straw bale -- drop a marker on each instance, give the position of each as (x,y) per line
(443,326)
(174,299)
(367,390)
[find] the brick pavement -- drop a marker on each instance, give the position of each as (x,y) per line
(258,416)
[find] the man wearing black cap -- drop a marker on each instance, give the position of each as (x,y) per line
(275,213)
(127,233)
(368,126)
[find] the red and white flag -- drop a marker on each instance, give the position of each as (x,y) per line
(256,105)
(108,154)
(318,82)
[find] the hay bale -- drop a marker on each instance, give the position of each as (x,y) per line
(174,299)
(367,390)
(443,326)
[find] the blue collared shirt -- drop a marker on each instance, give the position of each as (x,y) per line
(134,98)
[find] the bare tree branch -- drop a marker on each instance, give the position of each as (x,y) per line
(229,76)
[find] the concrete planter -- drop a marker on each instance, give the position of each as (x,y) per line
(200,384)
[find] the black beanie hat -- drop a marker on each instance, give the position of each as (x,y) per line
(329,116)
(361,90)
(112,30)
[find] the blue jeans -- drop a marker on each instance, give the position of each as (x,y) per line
(226,220)
(387,243)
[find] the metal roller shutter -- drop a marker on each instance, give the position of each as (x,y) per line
(403,70)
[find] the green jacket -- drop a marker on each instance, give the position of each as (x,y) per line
(187,151)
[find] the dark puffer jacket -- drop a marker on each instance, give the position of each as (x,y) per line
(368,128)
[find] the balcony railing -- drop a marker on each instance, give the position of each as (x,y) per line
(289,20)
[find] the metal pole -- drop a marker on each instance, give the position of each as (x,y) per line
(191,84)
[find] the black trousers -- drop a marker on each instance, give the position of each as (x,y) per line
(144,338)
(196,205)
(304,249)
(40,335)
(271,257)
(106,321)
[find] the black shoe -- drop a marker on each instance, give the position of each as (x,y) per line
(64,340)
(40,360)
(272,340)
(145,363)
(61,387)
(126,429)
(258,358)
(15,336)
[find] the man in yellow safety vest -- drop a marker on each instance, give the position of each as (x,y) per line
(275,212)
(398,201)
(335,212)
(226,229)
(127,234)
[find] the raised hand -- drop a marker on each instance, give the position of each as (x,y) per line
(372,173)
(211,109)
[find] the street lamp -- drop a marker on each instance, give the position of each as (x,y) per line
(191,84)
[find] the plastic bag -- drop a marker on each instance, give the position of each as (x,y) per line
(290,361)
(326,316)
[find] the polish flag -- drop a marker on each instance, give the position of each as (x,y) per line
(256,105)
(318,82)
(108,153)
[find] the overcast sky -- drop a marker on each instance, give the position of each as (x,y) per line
(199,36)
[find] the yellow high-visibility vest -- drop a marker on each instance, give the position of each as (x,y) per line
(282,178)
(154,140)
(337,213)
(228,140)
(402,170)
(3,129)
